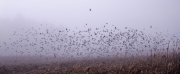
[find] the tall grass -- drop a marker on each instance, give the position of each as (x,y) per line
(160,63)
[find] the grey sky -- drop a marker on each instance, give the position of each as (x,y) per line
(137,14)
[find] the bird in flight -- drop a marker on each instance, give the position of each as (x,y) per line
(150,26)
(89,9)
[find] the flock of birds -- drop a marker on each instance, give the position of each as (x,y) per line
(90,42)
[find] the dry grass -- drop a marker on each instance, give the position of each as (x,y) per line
(153,64)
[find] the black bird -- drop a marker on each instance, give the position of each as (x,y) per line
(89,9)
(150,26)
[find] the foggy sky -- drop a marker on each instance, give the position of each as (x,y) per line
(160,14)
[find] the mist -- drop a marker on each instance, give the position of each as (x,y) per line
(27,18)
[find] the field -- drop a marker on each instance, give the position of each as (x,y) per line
(153,64)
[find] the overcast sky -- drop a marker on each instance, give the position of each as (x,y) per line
(138,14)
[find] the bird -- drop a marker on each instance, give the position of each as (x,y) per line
(150,26)
(90,9)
